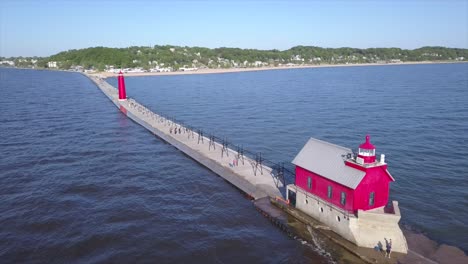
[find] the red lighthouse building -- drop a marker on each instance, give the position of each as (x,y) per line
(347,192)
(333,174)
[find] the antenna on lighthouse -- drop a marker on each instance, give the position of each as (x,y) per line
(122,93)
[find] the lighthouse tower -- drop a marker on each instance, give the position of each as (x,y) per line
(366,152)
(122,93)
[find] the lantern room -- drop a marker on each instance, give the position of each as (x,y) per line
(366,152)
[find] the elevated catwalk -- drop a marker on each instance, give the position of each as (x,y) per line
(247,174)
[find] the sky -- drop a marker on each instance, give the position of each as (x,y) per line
(46,27)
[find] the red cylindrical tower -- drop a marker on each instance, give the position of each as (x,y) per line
(122,93)
(367,151)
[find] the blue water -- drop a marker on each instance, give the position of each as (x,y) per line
(82,183)
(417,115)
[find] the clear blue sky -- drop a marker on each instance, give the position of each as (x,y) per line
(42,28)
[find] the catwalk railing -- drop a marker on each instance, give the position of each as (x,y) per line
(176,126)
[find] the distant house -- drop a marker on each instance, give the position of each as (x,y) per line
(258,63)
(157,69)
(52,64)
(7,62)
(185,69)
(135,70)
(297,58)
(77,68)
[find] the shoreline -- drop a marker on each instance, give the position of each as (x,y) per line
(235,70)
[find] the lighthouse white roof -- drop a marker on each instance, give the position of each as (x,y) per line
(328,161)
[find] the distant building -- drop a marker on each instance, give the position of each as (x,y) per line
(135,70)
(157,69)
(77,68)
(185,68)
(257,63)
(7,62)
(112,70)
(52,64)
(297,58)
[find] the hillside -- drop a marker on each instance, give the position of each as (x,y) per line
(176,57)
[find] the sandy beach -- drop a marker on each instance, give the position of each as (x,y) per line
(231,70)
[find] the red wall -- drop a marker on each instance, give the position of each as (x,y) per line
(320,188)
(376,180)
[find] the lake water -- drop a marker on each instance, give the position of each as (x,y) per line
(82,183)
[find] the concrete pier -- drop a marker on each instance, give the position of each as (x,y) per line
(256,180)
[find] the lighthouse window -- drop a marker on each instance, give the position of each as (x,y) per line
(309,182)
(330,192)
(343,198)
(371,198)
(367,152)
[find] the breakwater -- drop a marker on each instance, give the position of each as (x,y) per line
(249,174)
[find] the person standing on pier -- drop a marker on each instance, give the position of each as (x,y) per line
(388,245)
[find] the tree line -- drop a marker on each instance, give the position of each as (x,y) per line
(176,57)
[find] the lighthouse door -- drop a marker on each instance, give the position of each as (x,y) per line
(292,198)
